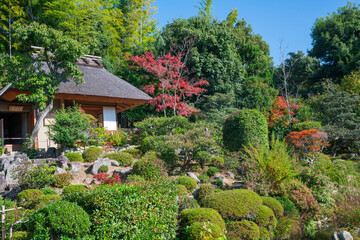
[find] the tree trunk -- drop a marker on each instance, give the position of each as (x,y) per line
(39,122)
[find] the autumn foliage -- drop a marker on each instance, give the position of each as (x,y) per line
(282,113)
(174,87)
(308,141)
(106,179)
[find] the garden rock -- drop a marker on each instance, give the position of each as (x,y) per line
(219,177)
(193,176)
(75,166)
(2,182)
(51,153)
(13,193)
(59,171)
(114,163)
(123,174)
(98,163)
(342,235)
(62,161)
(88,180)
(230,175)
(40,161)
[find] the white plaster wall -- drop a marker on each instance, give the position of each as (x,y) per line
(109,114)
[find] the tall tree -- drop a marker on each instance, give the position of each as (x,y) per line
(336,42)
(41,73)
(205,10)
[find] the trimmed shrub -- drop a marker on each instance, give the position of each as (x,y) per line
(244,127)
(217,162)
(203,191)
(26,198)
(286,227)
(212,171)
(74,157)
(266,218)
(306,125)
(103,169)
(288,205)
(91,154)
(45,200)
(195,167)
(189,216)
(135,178)
(204,230)
(20,235)
(150,167)
(243,230)
(63,179)
(48,191)
(74,189)
(219,183)
(136,153)
(187,203)
(234,204)
(123,158)
(274,205)
(159,145)
(182,191)
(59,220)
(146,210)
(204,178)
(266,234)
(188,182)
(203,157)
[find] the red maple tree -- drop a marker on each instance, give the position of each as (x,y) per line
(308,141)
(282,113)
(174,87)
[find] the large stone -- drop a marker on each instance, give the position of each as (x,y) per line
(342,235)
(230,175)
(123,174)
(51,153)
(59,171)
(13,193)
(75,166)
(2,182)
(193,176)
(62,161)
(98,163)
(114,163)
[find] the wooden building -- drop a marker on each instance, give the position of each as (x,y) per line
(103,95)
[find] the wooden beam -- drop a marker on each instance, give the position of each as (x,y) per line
(11,94)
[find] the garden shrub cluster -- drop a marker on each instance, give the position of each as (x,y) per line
(188,182)
(243,229)
(136,153)
(123,158)
(149,167)
(74,157)
(63,179)
(92,153)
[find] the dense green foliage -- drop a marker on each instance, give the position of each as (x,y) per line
(123,158)
(27,197)
(234,204)
(74,157)
(149,167)
(274,205)
(57,220)
(243,128)
(62,180)
(266,218)
(243,229)
(44,200)
(203,230)
(30,176)
(146,210)
(203,191)
(73,189)
(189,216)
(91,154)
(188,182)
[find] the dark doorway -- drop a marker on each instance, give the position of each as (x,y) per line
(14,127)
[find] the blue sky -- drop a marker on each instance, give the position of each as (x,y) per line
(287,22)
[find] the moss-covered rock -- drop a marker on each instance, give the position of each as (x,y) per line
(188,182)
(243,230)
(203,191)
(204,230)
(189,216)
(91,154)
(274,205)
(234,204)
(266,218)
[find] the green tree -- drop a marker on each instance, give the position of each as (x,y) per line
(336,41)
(26,71)
(205,9)
(71,126)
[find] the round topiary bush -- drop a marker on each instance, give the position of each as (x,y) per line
(266,218)
(48,191)
(274,205)
(91,154)
(63,179)
(203,157)
(204,230)
(217,162)
(288,205)
(243,230)
(187,203)
(136,153)
(204,178)
(59,220)
(45,200)
(234,204)
(212,171)
(189,216)
(26,198)
(182,191)
(103,169)
(74,189)
(123,158)
(203,191)
(266,234)
(149,167)
(188,182)
(74,157)
(244,127)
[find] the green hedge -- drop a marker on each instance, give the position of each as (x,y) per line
(91,154)
(74,157)
(59,220)
(243,128)
(145,210)
(123,158)
(188,182)
(234,204)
